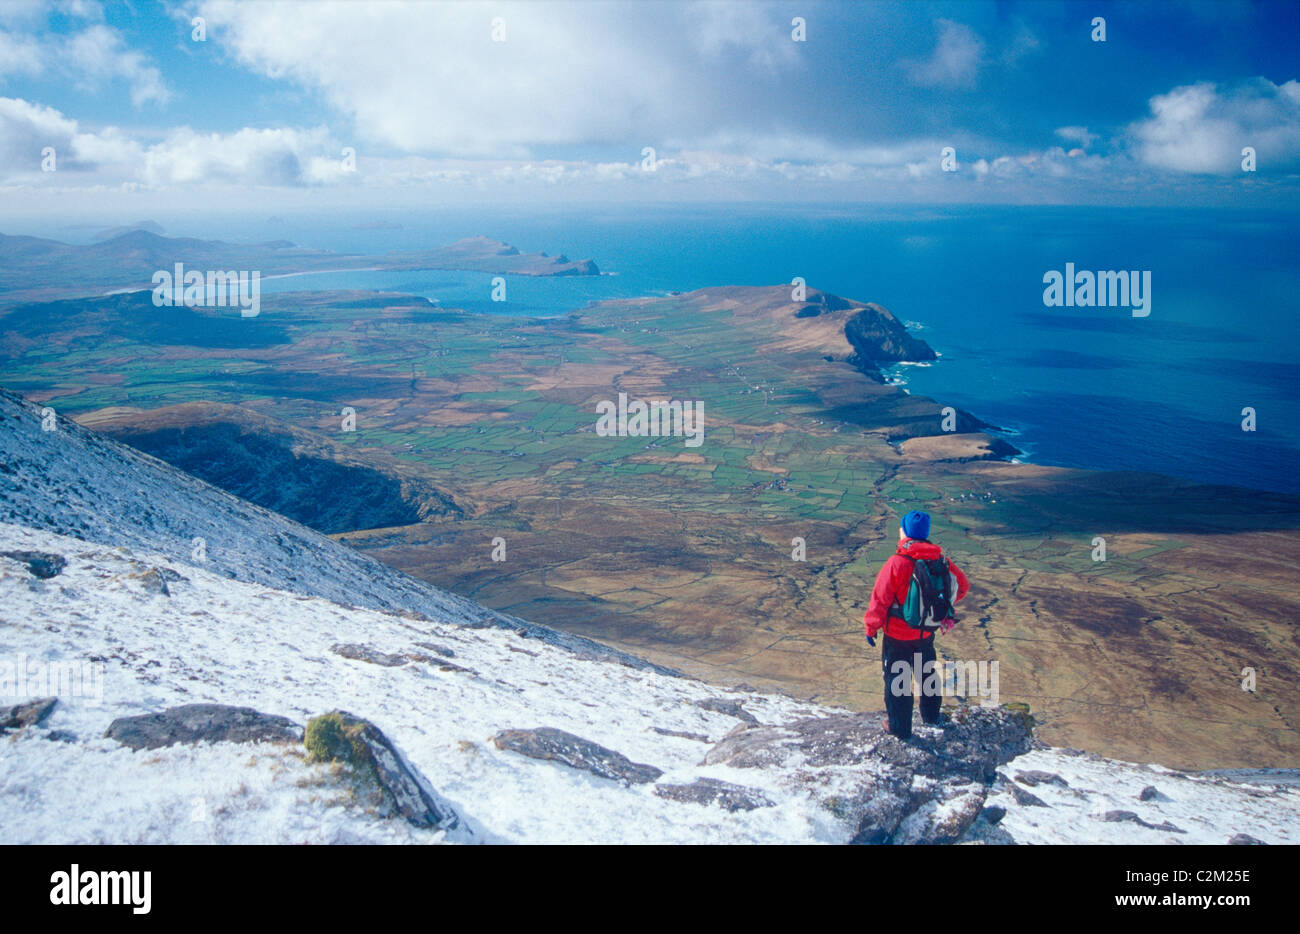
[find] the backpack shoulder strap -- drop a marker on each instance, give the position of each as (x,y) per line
(896,608)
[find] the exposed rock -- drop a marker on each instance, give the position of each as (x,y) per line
(875,808)
(364,653)
(944,815)
(1244,839)
(440,649)
(927,790)
(440,663)
(39,563)
(1129,816)
(153,582)
(575,752)
(1151,793)
(994,813)
(680,734)
(1025,799)
(28,713)
(732,708)
(1035,777)
(711,791)
(196,723)
(876,334)
(379,767)
(971,747)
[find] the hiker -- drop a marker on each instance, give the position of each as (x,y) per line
(913,598)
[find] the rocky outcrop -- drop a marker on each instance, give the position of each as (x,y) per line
(1130,817)
(577,753)
(364,653)
(28,713)
(712,791)
(1038,777)
(876,335)
(380,770)
(927,790)
(197,723)
(41,565)
(732,708)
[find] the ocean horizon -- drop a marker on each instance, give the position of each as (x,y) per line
(1088,387)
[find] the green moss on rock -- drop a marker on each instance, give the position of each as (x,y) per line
(337,737)
(1022,710)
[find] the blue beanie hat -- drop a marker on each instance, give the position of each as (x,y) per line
(916,524)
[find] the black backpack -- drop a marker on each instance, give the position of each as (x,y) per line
(929,595)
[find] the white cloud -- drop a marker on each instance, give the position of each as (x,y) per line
(92,57)
(248,157)
(956,59)
(427,78)
(1077,134)
(754,30)
(252,157)
(99,54)
(1199,128)
(19,55)
(27,129)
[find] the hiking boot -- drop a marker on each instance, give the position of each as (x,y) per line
(902,737)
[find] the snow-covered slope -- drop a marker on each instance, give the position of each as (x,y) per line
(75,482)
(266,633)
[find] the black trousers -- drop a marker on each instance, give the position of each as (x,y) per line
(898,659)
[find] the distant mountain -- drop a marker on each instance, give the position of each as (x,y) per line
(110,233)
(37,269)
(483,254)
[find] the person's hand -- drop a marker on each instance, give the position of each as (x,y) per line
(871,641)
(947,624)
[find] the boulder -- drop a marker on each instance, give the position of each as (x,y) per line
(378,767)
(364,653)
(680,734)
(712,791)
(1025,799)
(732,708)
(39,563)
(944,815)
(1038,777)
(28,713)
(577,753)
(197,723)
(1244,839)
(994,813)
(1130,817)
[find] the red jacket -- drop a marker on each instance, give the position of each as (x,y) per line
(891,588)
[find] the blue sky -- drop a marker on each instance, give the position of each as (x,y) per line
(564,104)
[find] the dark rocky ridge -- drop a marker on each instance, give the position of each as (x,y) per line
(286,471)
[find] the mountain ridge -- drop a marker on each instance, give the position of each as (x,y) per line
(532,739)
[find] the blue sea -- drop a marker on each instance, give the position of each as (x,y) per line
(1083,387)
